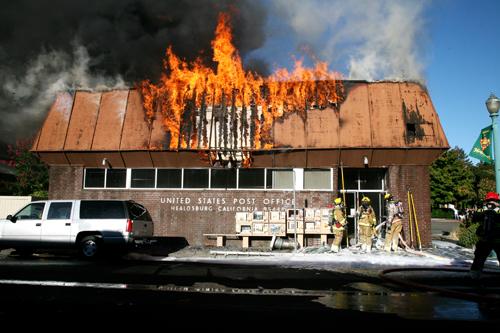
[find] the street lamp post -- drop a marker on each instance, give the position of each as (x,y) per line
(493,104)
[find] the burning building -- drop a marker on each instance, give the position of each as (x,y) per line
(203,144)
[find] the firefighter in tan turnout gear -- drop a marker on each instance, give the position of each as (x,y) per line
(338,223)
(366,223)
(394,223)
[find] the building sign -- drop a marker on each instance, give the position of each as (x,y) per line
(226,204)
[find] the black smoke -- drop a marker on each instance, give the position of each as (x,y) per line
(112,38)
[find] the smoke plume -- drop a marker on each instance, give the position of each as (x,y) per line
(52,45)
(372,39)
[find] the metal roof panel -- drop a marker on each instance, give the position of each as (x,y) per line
(109,125)
(136,129)
(83,120)
(55,127)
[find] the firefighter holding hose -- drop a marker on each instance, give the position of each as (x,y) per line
(339,221)
(394,222)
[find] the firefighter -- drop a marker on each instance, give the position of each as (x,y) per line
(394,222)
(339,221)
(488,233)
(366,223)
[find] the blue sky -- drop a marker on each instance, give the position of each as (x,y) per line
(464,65)
(456,43)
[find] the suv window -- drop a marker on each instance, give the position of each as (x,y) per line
(138,212)
(33,211)
(102,210)
(59,211)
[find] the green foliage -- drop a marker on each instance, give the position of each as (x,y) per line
(442,213)
(40,195)
(452,179)
(467,234)
(484,179)
(32,174)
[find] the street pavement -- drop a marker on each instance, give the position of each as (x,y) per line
(249,288)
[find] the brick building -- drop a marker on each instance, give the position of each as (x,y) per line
(383,134)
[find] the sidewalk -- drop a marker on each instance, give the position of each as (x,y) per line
(442,254)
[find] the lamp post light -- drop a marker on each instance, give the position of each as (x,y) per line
(493,104)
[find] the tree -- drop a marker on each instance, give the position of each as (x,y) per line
(484,179)
(452,179)
(32,174)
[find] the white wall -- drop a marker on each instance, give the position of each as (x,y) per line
(11,204)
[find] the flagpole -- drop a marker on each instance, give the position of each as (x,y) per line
(493,104)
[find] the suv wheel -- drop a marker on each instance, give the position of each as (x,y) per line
(89,247)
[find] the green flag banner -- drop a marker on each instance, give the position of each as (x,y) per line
(482,148)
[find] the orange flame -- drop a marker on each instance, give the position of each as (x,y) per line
(186,90)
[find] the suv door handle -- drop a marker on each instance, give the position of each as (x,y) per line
(38,224)
(67,223)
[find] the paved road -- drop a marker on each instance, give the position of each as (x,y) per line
(444,227)
(122,291)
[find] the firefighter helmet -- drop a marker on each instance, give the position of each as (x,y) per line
(492,196)
(338,201)
(387,196)
(366,199)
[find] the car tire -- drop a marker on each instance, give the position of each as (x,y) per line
(90,247)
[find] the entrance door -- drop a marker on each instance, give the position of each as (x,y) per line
(353,201)
(359,183)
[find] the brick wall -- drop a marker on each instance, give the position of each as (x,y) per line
(185,213)
(191,213)
(402,179)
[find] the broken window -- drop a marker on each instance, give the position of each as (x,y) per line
(411,129)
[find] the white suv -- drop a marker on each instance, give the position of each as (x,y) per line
(88,225)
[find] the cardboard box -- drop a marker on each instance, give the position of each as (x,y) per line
(259,227)
(309,214)
(291,226)
(326,214)
(258,215)
(299,213)
(278,229)
(245,229)
(241,217)
(277,216)
(242,227)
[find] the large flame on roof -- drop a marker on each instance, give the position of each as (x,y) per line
(243,103)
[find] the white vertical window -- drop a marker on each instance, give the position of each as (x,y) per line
(317,179)
(279,179)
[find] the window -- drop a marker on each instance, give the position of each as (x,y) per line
(102,210)
(316,179)
(94,177)
(251,178)
(279,179)
(138,212)
(371,179)
(223,178)
(59,211)
(195,178)
(116,178)
(350,178)
(169,178)
(33,211)
(363,179)
(143,178)
(411,129)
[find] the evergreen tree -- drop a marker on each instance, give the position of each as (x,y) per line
(484,180)
(452,179)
